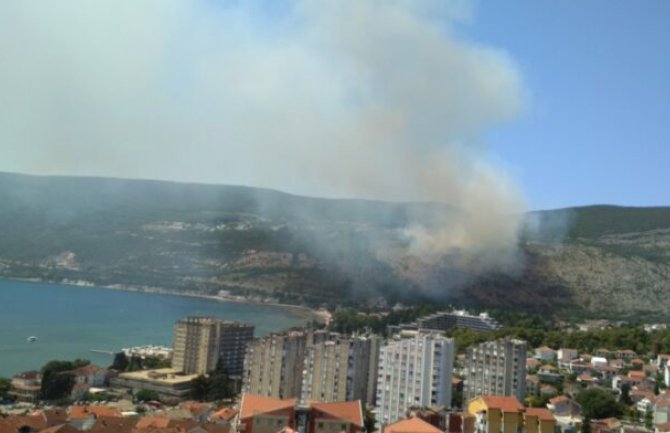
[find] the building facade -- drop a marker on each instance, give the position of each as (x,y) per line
(341,369)
(447,320)
(415,370)
(201,342)
(273,366)
(496,368)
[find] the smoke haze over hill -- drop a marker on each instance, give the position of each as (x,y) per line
(373,99)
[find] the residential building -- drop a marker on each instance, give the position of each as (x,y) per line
(273,365)
(412,425)
(415,370)
(26,386)
(532,385)
(496,368)
(504,414)
(260,414)
(545,353)
(565,354)
(342,369)
(90,375)
(167,382)
(564,406)
(200,343)
(449,319)
(598,361)
(335,417)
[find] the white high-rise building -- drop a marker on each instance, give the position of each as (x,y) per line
(496,368)
(415,370)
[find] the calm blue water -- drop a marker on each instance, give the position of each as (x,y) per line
(69,321)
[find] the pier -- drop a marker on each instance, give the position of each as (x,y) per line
(104,352)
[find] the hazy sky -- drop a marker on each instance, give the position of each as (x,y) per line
(497,106)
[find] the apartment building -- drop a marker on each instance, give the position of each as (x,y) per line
(496,368)
(504,414)
(274,364)
(201,342)
(415,370)
(341,369)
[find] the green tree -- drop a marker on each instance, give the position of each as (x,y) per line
(586,425)
(57,381)
(625,394)
(120,362)
(597,404)
(649,419)
(146,395)
(369,421)
(220,385)
(200,388)
(5,386)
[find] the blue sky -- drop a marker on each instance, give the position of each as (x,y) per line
(596,128)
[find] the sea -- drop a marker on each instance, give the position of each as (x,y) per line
(70,321)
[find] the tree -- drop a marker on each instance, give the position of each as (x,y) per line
(586,425)
(5,385)
(625,394)
(120,362)
(369,421)
(597,404)
(146,395)
(57,381)
(649,419)
(56,385)
(200,388)
(220,385)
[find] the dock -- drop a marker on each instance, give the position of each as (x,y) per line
(104,352)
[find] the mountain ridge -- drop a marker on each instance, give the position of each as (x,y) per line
(202,237)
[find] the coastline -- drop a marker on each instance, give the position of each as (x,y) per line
(321,316)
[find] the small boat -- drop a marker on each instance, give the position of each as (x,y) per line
(31,339)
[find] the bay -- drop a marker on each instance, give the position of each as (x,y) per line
(69,321)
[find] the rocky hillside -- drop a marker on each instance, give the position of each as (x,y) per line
(609,258)
(269,244)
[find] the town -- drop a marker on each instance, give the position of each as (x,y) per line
(449,371)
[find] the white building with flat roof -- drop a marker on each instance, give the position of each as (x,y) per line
(415,370)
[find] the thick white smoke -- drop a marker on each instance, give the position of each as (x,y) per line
(374,99)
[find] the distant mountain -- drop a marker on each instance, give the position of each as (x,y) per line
(206,238)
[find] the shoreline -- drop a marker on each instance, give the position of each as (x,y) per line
(321,316)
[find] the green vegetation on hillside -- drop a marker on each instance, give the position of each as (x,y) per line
(601,260)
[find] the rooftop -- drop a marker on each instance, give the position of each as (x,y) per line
(168,376)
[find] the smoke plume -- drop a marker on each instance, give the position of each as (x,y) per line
(368,99)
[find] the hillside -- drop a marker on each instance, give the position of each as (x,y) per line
(260,242)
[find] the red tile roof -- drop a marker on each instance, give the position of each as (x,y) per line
(541,413)
(83,412)
(559,399)
(226,413)
(63,428)
(255,404)
(346,410)
(637,374)
(503,403)
(412,425)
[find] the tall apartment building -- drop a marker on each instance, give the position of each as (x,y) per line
(201,342)
(449,319)
(496,368)
(273,366)
(341,369)
(415,370)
